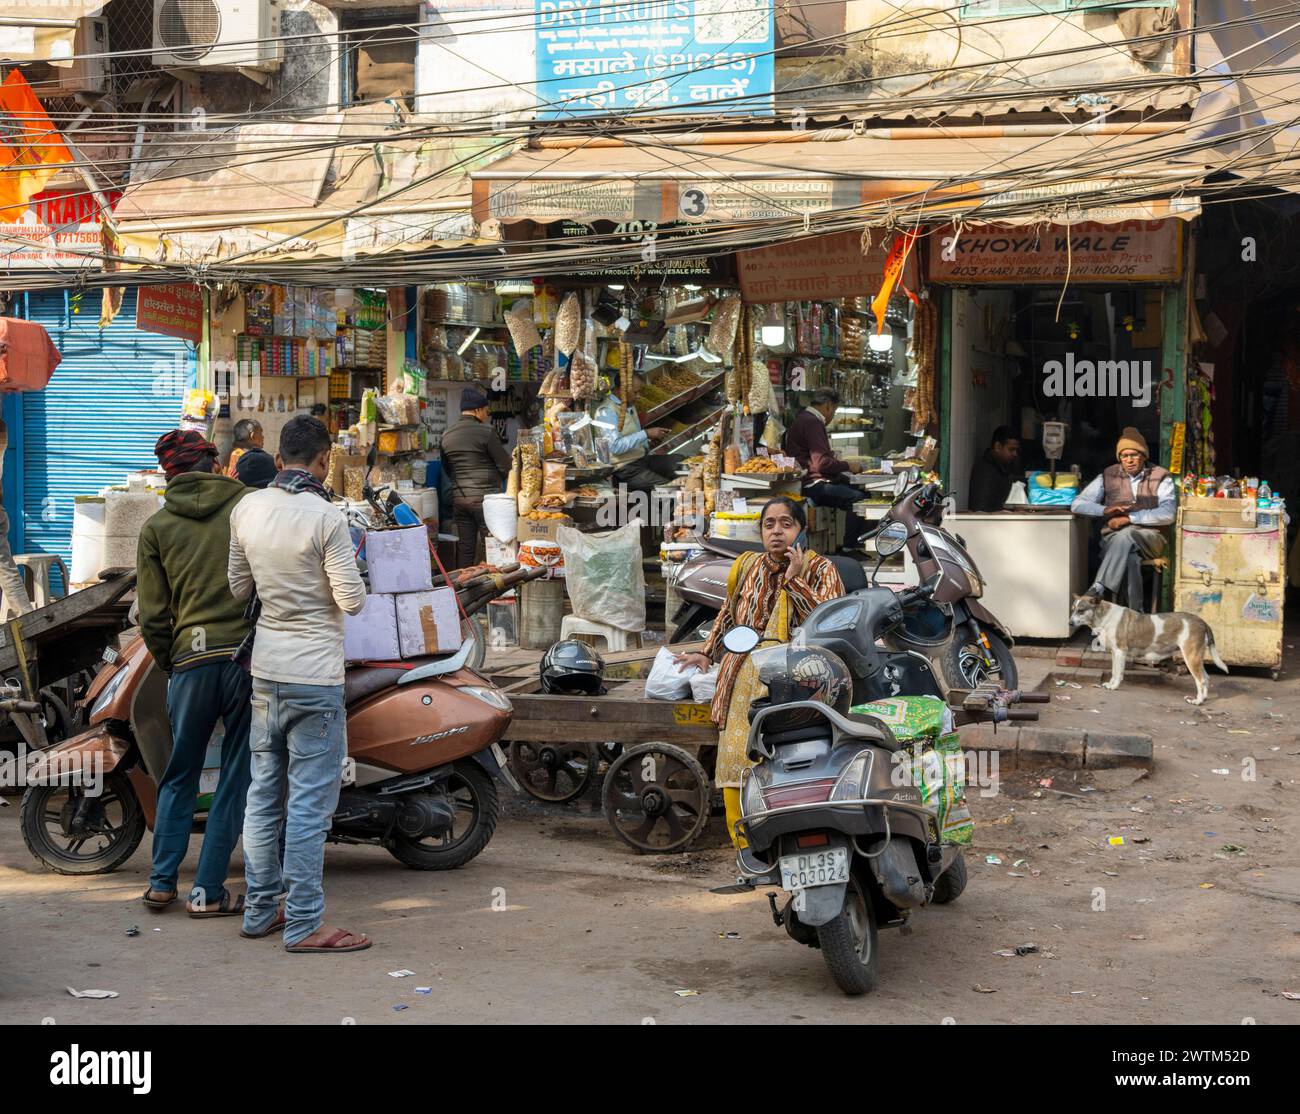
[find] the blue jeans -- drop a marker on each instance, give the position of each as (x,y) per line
(298,743)
(196,699)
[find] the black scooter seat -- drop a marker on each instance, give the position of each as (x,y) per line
(361,681)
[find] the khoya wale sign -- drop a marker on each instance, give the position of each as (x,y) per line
(598,57)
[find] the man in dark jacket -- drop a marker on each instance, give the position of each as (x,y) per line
(192,626)
(808,442)
(476,464)
(992,475)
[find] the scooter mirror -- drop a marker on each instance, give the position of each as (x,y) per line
(740,640)
(891,539)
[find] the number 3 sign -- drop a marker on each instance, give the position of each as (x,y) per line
(693,202)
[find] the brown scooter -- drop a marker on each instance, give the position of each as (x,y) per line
(418,779)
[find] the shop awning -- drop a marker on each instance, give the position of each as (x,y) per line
(1016,174)
(329,188)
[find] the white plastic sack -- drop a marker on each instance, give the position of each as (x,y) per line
(666,681)
(605,579)
(1017,497)
(704,685)
(501,516)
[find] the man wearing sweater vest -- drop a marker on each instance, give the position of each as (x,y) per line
(1135,498)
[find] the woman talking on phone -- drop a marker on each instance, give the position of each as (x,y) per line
(772,592)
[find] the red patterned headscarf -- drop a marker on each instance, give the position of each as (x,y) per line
(179,450)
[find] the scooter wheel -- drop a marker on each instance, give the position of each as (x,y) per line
(848,942)
(964,667)
(115,826)
(656,798)
(951,882)
(475,798)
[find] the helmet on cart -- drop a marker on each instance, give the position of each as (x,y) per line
(572,668)
(802,673)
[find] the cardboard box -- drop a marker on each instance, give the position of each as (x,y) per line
(1206,510)
(341,461)
(540,529)
(398,560)
(428,622)
(371,634)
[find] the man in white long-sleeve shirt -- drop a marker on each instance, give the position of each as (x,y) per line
(292,545)
(1134,497)
(635,467)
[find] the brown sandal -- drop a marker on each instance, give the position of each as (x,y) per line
(333,943)
(224,908)
(154,903)
(276,925)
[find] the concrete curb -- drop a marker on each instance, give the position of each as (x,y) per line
(1031,748)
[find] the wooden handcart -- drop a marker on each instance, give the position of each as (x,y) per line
(657,793)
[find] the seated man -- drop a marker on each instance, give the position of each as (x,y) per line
(635,467)
(992,475)
(808,442)
(1134,497)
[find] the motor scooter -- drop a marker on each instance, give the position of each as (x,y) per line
(826,815)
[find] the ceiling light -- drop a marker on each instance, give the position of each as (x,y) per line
(773,333)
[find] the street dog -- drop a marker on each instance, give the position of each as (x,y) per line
(1125,633)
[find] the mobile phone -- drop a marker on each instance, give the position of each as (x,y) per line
(802,540)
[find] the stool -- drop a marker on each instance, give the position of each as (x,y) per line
(1158,566)
(35,568)
(615,639)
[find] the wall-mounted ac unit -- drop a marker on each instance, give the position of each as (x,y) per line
(217,34)
(88,72)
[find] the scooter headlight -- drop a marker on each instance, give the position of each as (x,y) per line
(107,693)
(852,782)
(494,697)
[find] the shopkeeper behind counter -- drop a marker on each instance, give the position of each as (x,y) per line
(993,474)
(635,467)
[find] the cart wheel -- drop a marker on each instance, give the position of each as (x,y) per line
(608,752)
(552,772)
(656,798)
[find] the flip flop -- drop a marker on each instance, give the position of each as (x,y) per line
(154,903)
(332,943)
(224,908)
(276,925)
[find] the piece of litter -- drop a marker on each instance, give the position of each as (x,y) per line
(1045,782)
(1026,949)
(1291,995)
(134,930)
(1111,873)
(992,860)
(1020,862)
(1116,841)
(424,990)
(1207,885)
(1014,874)
(402,974)
(1233,849)
(1238,731)
(1087,789)
(1035,873)
(1078,992)
(157,929)
(1137,937)
(1224,773)
(979,989)
(687,993)
(1141,839)
(92,993)
(1006,953)
(728,935)
(401,1006)
(1064,697)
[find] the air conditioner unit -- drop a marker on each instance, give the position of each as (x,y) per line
(85,74)
(217,34)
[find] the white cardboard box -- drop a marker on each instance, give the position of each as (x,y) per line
(398,560)
(428,622)
(371,634)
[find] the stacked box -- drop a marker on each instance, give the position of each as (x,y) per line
(371,634)
(427,622)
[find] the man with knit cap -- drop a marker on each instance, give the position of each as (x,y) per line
(192,625)
(1135,498)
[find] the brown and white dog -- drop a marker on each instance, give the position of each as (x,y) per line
(1126,633)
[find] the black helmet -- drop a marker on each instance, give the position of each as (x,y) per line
(794,673)
(572,668)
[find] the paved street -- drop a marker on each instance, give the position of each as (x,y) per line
(588,931)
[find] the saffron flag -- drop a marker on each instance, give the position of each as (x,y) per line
(31,149)
(894,264)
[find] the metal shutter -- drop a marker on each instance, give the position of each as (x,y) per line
(115,393)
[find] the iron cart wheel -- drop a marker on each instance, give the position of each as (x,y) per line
(72,833)
(656,798)
(848,941)
(553,772)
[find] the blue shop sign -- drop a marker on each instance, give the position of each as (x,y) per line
(616,56)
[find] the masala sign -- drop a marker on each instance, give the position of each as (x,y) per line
(1131,251)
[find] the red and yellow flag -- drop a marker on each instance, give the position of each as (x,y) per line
(31,148)
(894,263)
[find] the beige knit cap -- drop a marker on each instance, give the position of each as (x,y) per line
(1132,439)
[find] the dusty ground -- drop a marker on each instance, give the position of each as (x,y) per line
(1189,932)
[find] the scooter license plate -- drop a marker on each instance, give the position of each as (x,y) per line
(818,868)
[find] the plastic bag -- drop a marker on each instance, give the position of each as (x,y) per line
(666,681)
(606,581)
(704,685)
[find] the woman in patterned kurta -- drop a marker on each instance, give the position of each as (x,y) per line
(772,592)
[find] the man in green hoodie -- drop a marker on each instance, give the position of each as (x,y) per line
(192,626)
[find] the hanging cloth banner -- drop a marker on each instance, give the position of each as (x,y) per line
(894,264)
(31,149)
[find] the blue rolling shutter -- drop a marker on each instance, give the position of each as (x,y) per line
(115,393)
